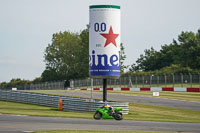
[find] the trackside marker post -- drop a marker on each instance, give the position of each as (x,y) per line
(60,104)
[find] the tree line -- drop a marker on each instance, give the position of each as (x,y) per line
(18,82)
(66,58)
(180,56)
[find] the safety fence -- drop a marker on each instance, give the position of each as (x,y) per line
(142,81)
(53,85)
(73,104)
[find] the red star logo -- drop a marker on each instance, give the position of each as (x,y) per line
(110,37)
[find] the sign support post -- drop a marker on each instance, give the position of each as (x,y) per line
(104,90)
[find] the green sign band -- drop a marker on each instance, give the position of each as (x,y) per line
(104,6)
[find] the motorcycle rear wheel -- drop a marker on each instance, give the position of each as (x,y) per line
(97,115)
(118,116)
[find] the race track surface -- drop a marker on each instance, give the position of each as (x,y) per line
(136,99)
(20,124)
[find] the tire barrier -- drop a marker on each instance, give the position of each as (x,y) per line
(73,104)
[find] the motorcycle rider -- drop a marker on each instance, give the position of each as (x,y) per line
(110,109)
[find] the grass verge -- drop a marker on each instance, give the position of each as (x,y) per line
(158,113)
(140,112)
(97,131)
(36,110)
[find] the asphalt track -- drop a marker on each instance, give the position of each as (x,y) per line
(21,124)
(182,104)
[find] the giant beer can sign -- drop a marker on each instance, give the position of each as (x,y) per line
(104,41)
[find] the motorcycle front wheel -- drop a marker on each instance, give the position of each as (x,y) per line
(118,116)
(97,116)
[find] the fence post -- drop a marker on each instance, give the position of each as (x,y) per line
(165,80)
(41,87)
(124,82)
(136,81)
(62,85)
(181,79)
(158,78)
(150,80)
(87,83)
(190,80)
(120,82)
(91,88)
(199,80)
(96,82)
(116,83)
(130,85)
(111,83)
(173,79)
(143,80)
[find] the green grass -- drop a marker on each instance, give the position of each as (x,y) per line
(189,96)
(140,112)
(36,110)
(97,131)
(157,113)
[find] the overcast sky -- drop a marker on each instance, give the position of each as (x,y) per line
(26,28)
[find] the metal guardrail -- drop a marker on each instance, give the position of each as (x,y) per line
(73,104)
(91,106)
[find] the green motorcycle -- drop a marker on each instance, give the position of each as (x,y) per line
(107,112)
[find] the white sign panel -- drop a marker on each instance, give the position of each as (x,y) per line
(104,41)
(156,94)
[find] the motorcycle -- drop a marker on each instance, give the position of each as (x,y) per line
(106,112)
